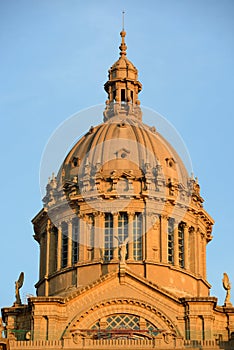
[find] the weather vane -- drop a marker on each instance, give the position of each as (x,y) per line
(123,13)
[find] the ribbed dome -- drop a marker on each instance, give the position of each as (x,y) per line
(123,62)
(124,145)
(123,197)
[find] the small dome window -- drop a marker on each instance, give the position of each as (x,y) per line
(75,161)
(170,163)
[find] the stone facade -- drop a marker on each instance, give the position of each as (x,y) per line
(122,237)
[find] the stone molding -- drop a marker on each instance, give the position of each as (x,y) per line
(139,307)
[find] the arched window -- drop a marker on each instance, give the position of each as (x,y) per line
(108,237)
(137,237)
(75,240)
(181,244)
(124,326)
(170,241)
(64,244)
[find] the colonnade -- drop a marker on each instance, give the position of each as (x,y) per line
(82,239)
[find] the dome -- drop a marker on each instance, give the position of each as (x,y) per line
(126,146)
(123,198)
(123,62)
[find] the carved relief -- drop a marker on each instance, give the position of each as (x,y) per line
(168,337)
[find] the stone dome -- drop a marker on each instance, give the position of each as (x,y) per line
(123,197)
(125,145)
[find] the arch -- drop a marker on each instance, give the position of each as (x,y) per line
(86,319)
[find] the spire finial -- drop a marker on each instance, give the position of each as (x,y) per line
(123,46)
(123,13)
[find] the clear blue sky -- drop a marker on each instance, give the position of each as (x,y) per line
(54,60)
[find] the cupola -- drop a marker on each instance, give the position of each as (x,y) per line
(122,86)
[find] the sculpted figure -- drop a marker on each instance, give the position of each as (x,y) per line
(227,287)
(122,249)
(18,285)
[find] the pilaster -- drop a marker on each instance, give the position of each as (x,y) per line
(82,239)
(176,244)
(59,247)
(69,247)
(115,234)
(130,235)
(186,247)
(163,238)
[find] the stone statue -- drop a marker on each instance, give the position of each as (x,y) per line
(18,285)
(122,249)
(227,287)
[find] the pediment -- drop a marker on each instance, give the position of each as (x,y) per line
(127,279)
(120,293)
(112,284)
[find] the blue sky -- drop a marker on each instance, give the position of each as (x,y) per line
(55,55)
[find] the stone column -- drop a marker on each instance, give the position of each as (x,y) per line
(48,232)
(47,260)
(194,332)
(97,238)
(196,234)
(130,236)
(69,243)
(204,256)
(193,250)
(176,245)
(208,326)
(82,239)
(186,247)
(115,234)
(164,238)
(59,247)
(146,235)
(41,272)
(101,232)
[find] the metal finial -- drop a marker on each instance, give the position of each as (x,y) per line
(123,46)
(123,13)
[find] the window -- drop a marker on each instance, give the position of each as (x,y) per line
(137,237)
(64,244)
(124,326)
(108,237)
(123,321)
(170,241)
(75,240)
(123,95)
(181,244)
